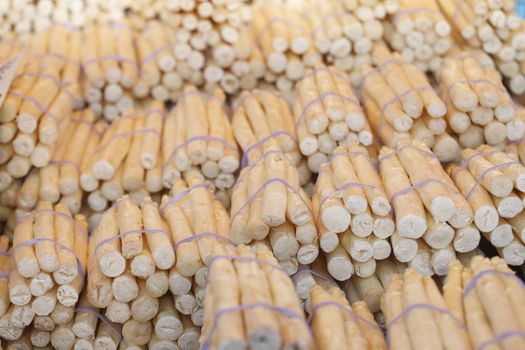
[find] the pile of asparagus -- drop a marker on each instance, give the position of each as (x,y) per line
(433,217)
(494,27)
(111,67)
(353,214)
(480,307)
(400,104)
(44,271)
(327,115)
(259,308)
(480,110)
(42,94)
(420,33)
(198,135)
(493,183)
(268,203)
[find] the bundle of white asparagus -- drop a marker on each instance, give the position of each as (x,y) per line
(344,32)
(42,94)
(401,104)
(433,218)
(283,34)
(327,115)
(259,309)
(125,159)
(268,203)
(480,307)
(47,267)
(111,68)
(198,135)
(60,179)
(338,325)
(261,116)
(480,109)
(494,27)
(420,33)
(494,184)
(350,202)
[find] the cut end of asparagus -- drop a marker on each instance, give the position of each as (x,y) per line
(411,226)
(336,219)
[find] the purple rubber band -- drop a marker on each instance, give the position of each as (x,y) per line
(177,197)
(65,162)
(94,311)
(256,162)
(472,81)
(413,307)
(501,337)
(482,176)
(156,52)
(201,235)
(53,212)
(35,103)
(396,98)
(62,86)
(283,311)
(198,138)
(4,276)
(114,206)
(343,308)
(516,141)
(273,135)
(320,275)
(125,134)
(92,126)
(318,99)
(465,163)
(116,58)
(415,10)
(372,162)
(472,283)
(266,183)
(421,184)
(4,253)
(33,241)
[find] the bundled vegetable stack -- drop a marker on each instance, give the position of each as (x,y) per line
(420,33)
(401,104)
(494,27)
(480,109)
(480,307)
(46,268)
(203,43)
(268,202)
(42,94)
(259,308)
(353,214)
(111,68)
(327,115)
(433,218)
(344,32)
(493,184)
(336,324)
(198,135)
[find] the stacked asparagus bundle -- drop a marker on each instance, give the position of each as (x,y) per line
(337,325)
(480,307)
(493,183)
(260,293)
(207,44)
(494,27)
(43,93)
(433,218)
(420,33)
(111,68)
(284,36)
(327,115)
(401,104)
(345,32)
(126,159)
(349,201)
(198,135)
(46,273)
(480,109)
(268,203)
